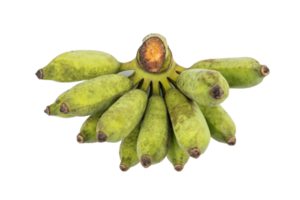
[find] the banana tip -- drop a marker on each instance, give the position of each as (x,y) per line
(80,139)
(178,167)
(101,136)
(231,141)
(63,108)
(40,74)
(264,70)
(217,92)
(146,162)
(47,110)
(194,152)
(123,168)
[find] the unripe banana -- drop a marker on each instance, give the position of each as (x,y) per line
(176,156)
(122,117)
(79,65)
(221,126)
(95,95)
(207,87)
(189,125)
(88,129)
(239,72)
(128,152)
(152,145)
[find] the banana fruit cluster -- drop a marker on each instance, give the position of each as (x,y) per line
(178,117)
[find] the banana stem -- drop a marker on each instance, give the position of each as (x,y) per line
(166,85)
(145,85)
(155,90)
(131,75)
(179,69)
(127,66)
(135,80)
(173,78)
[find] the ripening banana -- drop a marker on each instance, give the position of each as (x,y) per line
(79,65)
(95,95)
(122,117)
(189,125)
(207,87)
(88,129)
(176,156)
(127,151)
(239,72)
(221,126)
(152,145)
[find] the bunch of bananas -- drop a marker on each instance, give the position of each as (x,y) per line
(178,118)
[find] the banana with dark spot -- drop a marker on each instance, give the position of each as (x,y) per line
(207,87)
(241,72)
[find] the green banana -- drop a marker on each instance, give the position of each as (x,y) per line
(88,129)
(95,95)
(239,72)
(176,156)
(221,126)
(128,152)
(207,87)
(121,118)
(189,125)
(152,145)
(79,65)
(53,109)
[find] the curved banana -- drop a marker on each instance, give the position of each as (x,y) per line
(189,125)
(207,87)
(95,95)
(176,156)
(242,72)
(152,145)
(128,152)
(222,126)
(122,117)
(77,65)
